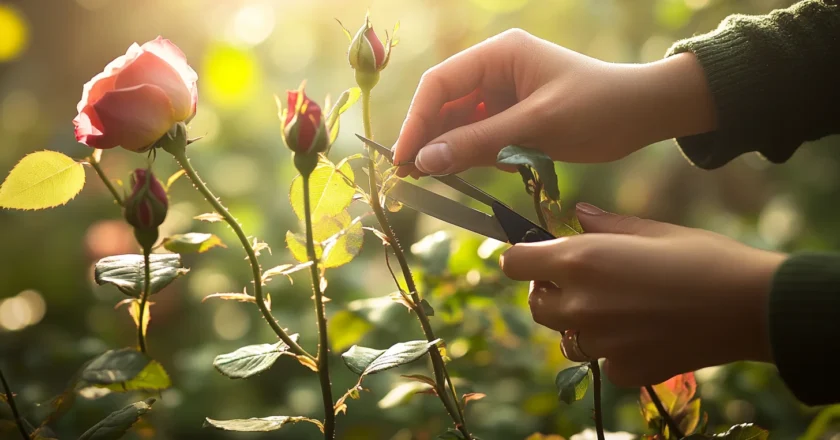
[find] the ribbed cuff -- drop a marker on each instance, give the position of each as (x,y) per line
(742,86)
(805,325)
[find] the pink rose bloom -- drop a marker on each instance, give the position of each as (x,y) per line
(137,98)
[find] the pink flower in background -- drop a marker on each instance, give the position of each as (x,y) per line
(137,98)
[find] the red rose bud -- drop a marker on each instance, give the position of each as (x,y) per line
(367,53)
(146,206)
(304,130)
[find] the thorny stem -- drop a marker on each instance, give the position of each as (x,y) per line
(599,415)
(182,159)
(94,162)
(450,401)
(11,400)
(147,287)
(676,432)
(323,348)
(593,365)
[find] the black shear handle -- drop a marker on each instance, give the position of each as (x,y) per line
(518,228)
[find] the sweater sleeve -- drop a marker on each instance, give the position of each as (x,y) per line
(775,81)
(805,325)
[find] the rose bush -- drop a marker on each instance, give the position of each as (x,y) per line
(137,98)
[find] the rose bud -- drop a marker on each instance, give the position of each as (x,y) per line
(146,206)
(137,98)
(303,126)
(368,55)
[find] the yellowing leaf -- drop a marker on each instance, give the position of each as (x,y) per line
(41,180)
(151,378)
(210,217)
(192,242)
(173,178)
(473,396)
(134,311)
(340,251)
(329,192)
(347,329)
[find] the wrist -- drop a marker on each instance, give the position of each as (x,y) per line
(757,282)
(678,99)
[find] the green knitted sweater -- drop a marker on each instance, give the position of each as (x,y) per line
(775,80)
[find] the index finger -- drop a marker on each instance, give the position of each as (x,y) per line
(456,77)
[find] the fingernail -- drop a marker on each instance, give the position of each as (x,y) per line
(434,159)
(588,209)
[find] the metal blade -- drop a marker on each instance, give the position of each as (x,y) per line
(446,209)
(381,149)
(451,180)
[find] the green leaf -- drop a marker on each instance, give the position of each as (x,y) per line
(344,102)
(401,394)
(119,422)
(251,360)
(434,251)
(254,424)
(427,308)
(342,251)
(125,369)
(347,328)
(364,361)
(192,242)
(43,179)
(152,378)
(538,161)
(115,366)
(451,434)
(572,383)
(127,272)
(329,192)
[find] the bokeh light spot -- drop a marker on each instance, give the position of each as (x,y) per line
(252,24)
(20,311)
(14,33)
(231,75)
(295,48)
(230,321)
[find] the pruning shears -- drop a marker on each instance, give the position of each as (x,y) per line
(505,224)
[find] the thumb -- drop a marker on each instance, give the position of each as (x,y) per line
(594,219)
(475,144)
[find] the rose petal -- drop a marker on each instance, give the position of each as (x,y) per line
(136,117)
(291,102)
(114,67)
(148,68)
(89,130)
(375,46)
(170,53)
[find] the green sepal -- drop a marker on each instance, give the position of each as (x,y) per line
(306,163)
(146,238)
(175,140)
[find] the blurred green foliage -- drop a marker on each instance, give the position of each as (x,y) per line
(54,317)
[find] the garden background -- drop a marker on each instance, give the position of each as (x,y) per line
(53,317)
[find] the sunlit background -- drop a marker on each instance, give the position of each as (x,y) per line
(53,317)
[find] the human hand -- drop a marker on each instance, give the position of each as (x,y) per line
(654,299)
(515,88)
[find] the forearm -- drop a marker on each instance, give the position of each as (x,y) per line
(772,81)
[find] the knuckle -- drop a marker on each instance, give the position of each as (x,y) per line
(516,34)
